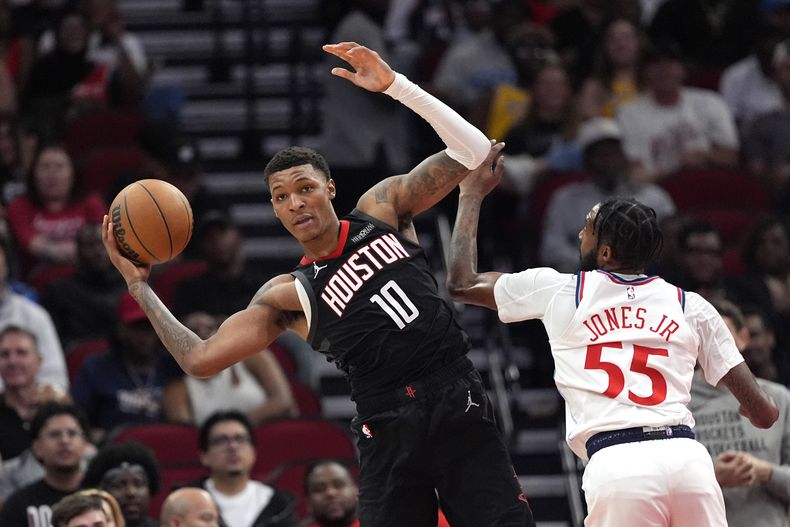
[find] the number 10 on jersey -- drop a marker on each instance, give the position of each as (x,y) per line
(401,310)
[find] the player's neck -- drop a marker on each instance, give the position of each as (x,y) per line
(325,243)
(621,269)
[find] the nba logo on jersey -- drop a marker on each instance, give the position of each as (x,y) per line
(367,431)
(630,293)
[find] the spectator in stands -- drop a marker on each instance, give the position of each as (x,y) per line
(20,362)
(110,505)
(672,127)
(759,350)
(189,507)
(749,87)
(579,28)
(530,47)
(767,140)
(600,139)
(364,136)
(45,220)
(79,510)
(227,446)
(701,248)
(615,78)
(65,78)
(712,34)
(124,386)
(129,471)
(59,435)
(543,141)
(257,386)
(16,48)
(752,465)
(82,305)
(12,170)
(478,63)
(332,496)
(228,283)
(17,310)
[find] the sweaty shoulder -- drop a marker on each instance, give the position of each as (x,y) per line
(527,295)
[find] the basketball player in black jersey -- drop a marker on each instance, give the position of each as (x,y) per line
(364,296)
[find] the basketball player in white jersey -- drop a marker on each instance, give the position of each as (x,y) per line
(624,345)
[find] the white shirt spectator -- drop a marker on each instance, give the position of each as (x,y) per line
(657,136)
(748,92)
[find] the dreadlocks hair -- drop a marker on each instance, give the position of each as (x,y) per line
(294,156)
(630,229)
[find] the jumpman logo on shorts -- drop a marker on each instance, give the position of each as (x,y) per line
(317,269)
(469,402)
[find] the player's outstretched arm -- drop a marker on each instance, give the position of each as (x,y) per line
(755,404)
(398,199)
(464,282)
(241,335)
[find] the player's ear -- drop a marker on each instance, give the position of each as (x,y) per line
(330,188)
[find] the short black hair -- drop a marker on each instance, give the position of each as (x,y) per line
(315,465)
(72,506)
(52,409)
(294,156)
(114,455)
(631,229)
(219,417)
(753,238)
(697,226)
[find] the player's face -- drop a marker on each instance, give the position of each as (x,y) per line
(588,242)
(332,495)
(301,197)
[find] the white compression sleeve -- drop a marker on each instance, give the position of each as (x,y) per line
(465,143)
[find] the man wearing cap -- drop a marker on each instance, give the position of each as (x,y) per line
(124,386)
(600,140)
(673,127)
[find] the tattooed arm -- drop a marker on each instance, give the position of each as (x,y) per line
(274,309)
(464,283)
(755,404)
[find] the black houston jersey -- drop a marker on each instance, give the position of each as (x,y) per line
(374,308)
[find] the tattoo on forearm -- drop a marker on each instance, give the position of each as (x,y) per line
(444,172)
(463,244)
(178,339)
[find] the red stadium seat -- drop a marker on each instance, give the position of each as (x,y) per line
(77,355)
(306,399)
(293,440)
(694,190)
(101,128)
(176,449)
(284,359)
(103,165)
(166,281)
(40,278)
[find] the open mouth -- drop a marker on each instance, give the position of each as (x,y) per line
(302,220)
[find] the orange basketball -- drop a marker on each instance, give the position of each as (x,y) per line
(152,221)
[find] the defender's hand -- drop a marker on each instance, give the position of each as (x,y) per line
(130,271)
(371,72)
(482,180)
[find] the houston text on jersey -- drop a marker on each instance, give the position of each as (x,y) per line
(361,266)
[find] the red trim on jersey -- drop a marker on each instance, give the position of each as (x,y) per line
(638,281)
(581,286)
(341,243)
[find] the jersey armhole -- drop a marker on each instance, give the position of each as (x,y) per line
(307,298)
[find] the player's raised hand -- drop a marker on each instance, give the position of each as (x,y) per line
(370,70)
(130,271)
(482,180)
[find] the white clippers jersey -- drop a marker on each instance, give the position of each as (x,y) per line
(624,347)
